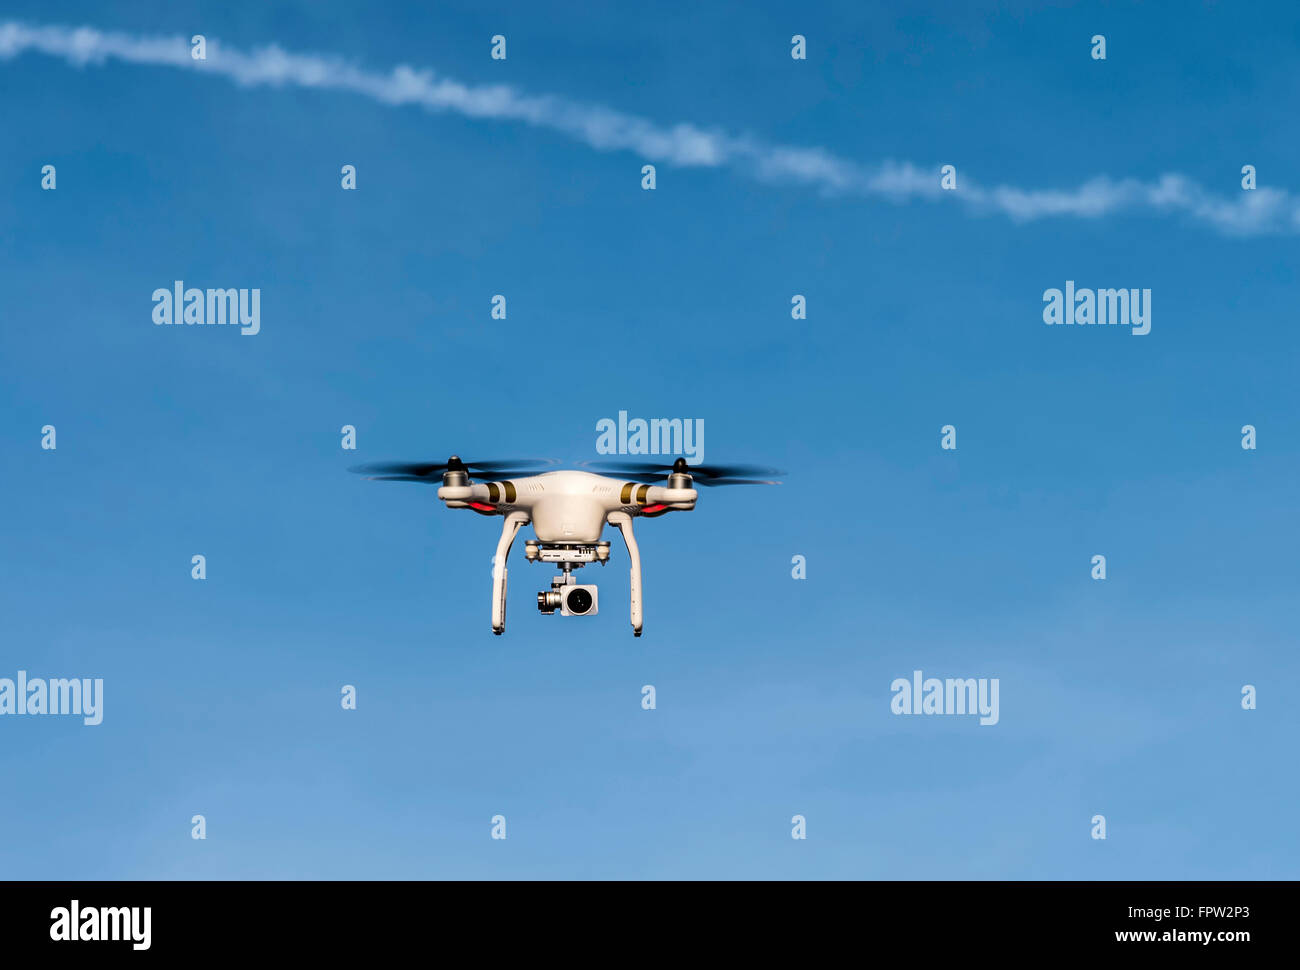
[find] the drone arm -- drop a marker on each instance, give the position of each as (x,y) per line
(508,532)
(624,523)
(678,497)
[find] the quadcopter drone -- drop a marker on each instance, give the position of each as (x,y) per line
(568,510)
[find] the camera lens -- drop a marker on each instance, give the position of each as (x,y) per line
(579,601)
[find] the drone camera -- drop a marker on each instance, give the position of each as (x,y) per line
(579,601)
(570,600)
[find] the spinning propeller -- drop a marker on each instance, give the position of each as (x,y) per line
(707,475)
(430,473)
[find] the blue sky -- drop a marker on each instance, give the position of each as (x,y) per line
(1119,697)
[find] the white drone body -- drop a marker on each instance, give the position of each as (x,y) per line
(568,511)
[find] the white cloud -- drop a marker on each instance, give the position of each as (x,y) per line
(1259,212)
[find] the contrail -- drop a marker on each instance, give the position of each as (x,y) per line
(1246,213)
